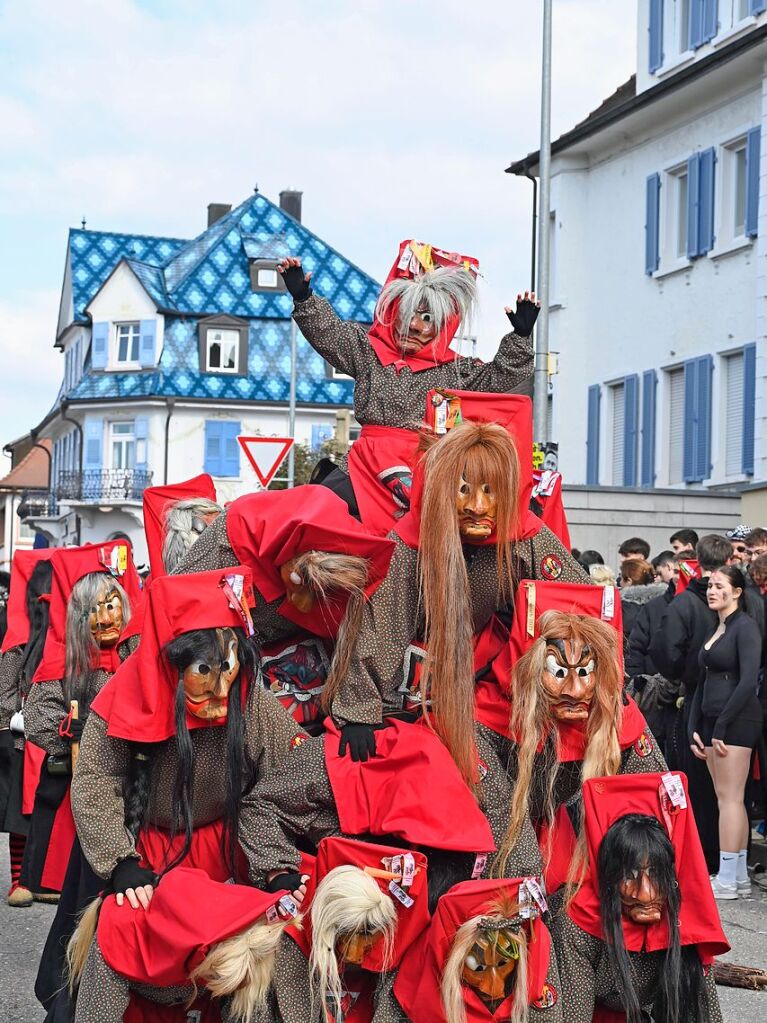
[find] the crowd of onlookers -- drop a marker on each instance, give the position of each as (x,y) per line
(695,659)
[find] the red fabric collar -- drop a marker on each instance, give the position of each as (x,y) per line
(411,763)
(607,799)
(411,921)
(188,914)
(417,986)
(138,702)
(269,528)
(383,335)
(70,564)
(22,567)
(512,411)
(689,569)
(157,501)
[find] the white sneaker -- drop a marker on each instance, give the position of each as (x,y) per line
(744,888)
(723,891)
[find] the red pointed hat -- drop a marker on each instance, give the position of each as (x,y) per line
(411,790)
(414,259)
(271,527)
(418,982)
(138,702)
(70,564)
(512,411)
(605,800)
(689,569)
(22,567)
(157,501)
(411,919)
(188,914)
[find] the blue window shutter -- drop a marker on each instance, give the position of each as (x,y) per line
(710,20)
(148,331)
(707,162)
(649,391)
(214,447)
(656,35)
(693,202)
(231,450)
(651,258)
(690,419)
(703,423)
(749,408)
(94,441)
(757,6)
(592,440)
(141,433)
(630,428)
(100,345)
(753,147)
(695,24)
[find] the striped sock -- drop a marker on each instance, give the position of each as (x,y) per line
(16,845)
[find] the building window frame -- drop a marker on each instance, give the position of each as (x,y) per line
(221,323)
(228,341)
(122,444)
(129,332)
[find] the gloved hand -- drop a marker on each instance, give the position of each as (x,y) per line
(360,740)
(132,881)
(76,728)
(296,281)
(524,317)
(289,881)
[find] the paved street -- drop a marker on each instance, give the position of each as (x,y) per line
(22,933)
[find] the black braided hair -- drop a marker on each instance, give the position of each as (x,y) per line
(38,612)
(139,787)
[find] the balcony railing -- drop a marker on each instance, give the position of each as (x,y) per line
(37,504)
(102,485)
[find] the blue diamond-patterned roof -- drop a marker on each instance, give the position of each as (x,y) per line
(210,275)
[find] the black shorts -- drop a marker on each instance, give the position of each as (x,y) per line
(741,732)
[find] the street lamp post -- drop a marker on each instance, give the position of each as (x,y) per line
(292,406)
(541,391)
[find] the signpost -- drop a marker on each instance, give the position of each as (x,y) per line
(266,455)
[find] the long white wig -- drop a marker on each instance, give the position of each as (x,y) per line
(183,524)
(443,292)
(347,901)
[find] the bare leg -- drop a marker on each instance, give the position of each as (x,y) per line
(730,784)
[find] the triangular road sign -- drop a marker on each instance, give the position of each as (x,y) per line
(266,455)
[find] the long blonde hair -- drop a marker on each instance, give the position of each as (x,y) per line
(347,901)
(479,453)
(451,987)
(531,719)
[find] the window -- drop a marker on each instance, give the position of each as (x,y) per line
(222,350)
(739,189)
(122,445)
(222,451)
(264,276)
(675,424)
(592,436)
(681,183)
(618,413)
(733,414)
(127,341)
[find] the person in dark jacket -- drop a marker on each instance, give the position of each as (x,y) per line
(635,575)
(726,721)
(686,625)
(653,692)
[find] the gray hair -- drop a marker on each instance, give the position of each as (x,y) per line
(183,524)
(444,292)
(81,646)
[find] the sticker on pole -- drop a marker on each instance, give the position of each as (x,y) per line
(266,455)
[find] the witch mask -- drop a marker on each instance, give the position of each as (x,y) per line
(476,505)
(491,961)
(208,678)
(105,617)
(569,678)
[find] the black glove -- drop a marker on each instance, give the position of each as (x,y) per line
(296,284)
(289,881)
(130,874)
(76,727)
(523,320)
(361,741)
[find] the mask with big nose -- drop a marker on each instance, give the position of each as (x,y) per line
(490,963)
(207,685)
(641,899)
(569,678)
(476,505)
(105,618)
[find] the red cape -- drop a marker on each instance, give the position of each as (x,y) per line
(157,500)
(689,569)
(188,914)
(385,796)
(607,799)
(70,564)
(269,528)
(411,921)
(417,986)
(383,335)
(138,702)
(22,567)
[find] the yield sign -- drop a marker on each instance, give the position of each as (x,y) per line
(265,454)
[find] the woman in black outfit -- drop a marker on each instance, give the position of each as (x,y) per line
(726,721)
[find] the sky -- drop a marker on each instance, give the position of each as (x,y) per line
(395,118)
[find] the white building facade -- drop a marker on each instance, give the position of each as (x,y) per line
(659,235)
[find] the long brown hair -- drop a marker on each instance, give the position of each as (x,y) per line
(478,453)
(531,720)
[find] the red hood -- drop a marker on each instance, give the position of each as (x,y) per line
(157,501)
(22,567)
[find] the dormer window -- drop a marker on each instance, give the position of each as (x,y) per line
(264,276)
(127,341)
(222,348)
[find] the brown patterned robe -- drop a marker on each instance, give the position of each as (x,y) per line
(12,689)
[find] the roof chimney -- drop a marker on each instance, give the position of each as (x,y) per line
(290,201)
(217,210)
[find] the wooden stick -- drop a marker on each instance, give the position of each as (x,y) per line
(731,975)
(74,707)
(386,875)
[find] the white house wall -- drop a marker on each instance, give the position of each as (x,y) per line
(123,299)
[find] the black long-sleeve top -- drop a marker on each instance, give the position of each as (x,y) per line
(731,679)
